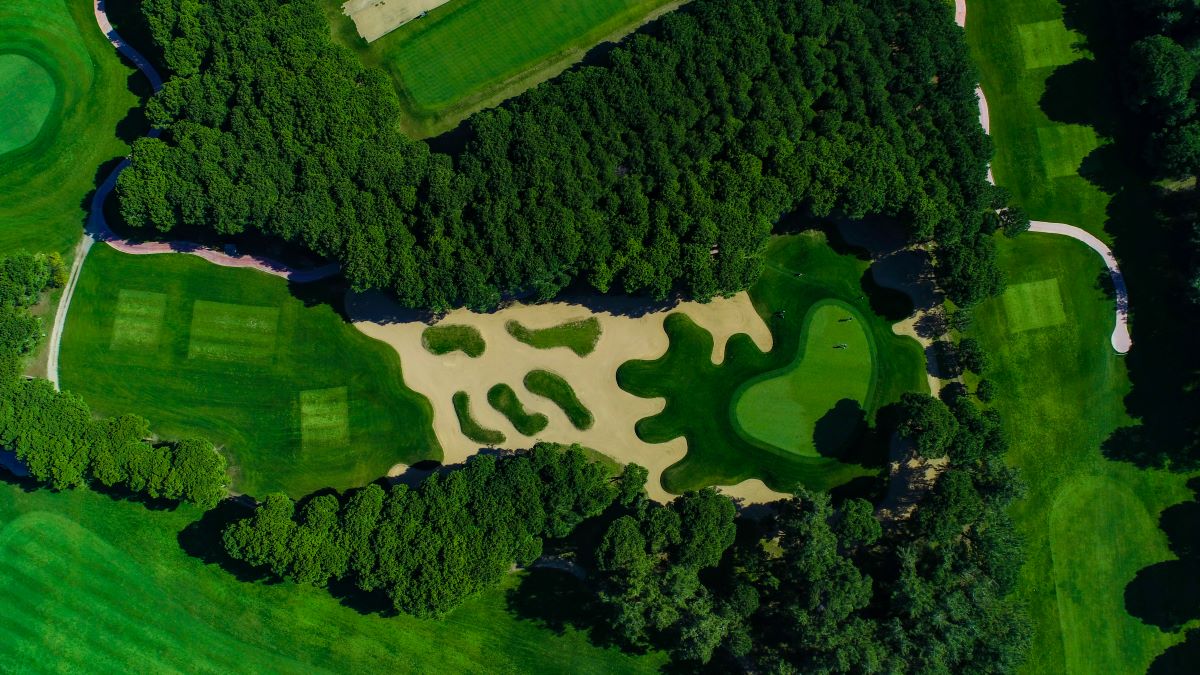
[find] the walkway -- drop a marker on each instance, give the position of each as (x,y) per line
(1121,339)
(97,228)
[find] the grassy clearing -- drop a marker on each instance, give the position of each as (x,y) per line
(445,339)
(45,178)
(28,92)
(701,396)
(1089,523)
(471,428)
(578,336)
(297,397)
(470,54)
(504,399)
(823,388)
(552,386)
(109,586)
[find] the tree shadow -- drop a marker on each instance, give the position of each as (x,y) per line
(556,600)
(1167,594)
(202,540)
(1078,93)
(837,430)
(1180,659)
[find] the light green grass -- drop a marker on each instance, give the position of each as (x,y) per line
(700,395)
(505,400)
(240,360)
(44,182)
(93,584)
(1064,147)
(1089,523)
(28,94)
(1047,43)
(781,408)
(552,386)
(441,340)
(578,336)
(1033,304)
(469,54)
(471,427)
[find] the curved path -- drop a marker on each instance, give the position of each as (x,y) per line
(97,229)
(1121,339)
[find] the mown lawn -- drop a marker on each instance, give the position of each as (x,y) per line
(44,180)
(298,398)
(94,584)
(469,54)
(701,396)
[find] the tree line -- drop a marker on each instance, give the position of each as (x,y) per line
(55,433)
(660,171)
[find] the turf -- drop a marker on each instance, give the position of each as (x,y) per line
(782,408)
(91,115)
(470,427)
(1089,523)
(505,400)
(295,396)
(700,395)
(442,340)
(578,336)
(1033,304)
(1046,43)
(469,54)
(28,92)
(552,386)
(94,584)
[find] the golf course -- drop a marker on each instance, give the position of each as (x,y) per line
(599,336)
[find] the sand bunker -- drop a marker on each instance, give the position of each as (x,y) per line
(625,336)
(376,18)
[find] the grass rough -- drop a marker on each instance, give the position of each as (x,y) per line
(470,427)
(552,386)
(578,336)
(505,400)
(442,340)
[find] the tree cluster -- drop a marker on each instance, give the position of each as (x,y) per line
(55,434)
(660,171)
(428,549)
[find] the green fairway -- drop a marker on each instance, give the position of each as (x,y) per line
(469,54)
(782,408)
(470,427)
(701,396)
(65,94)
(552,386)
(296,397)
(578,336)
(441,340)
(28,92)
(93,584)
(505,400)
(1089,523)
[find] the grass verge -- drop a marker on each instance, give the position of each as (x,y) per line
(552,386)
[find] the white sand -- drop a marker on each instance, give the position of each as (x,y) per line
(623,338)
(376,18)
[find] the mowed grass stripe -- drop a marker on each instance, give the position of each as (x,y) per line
(138,320)
(229,332)
(1047,43)
(1033,304)
(324,418)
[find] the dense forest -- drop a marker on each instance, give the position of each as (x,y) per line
(660,171)
(815,587)
(55,434)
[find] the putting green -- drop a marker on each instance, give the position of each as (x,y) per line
(28,92)
(826,381)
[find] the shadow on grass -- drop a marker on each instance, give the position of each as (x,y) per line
(556,600)
(834,435)
(1167,594)
(1180,659)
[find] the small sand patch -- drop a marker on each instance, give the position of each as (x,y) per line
(622,338)
(376,18)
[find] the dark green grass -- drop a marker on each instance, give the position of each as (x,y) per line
(469,54)
(552,386)
(578,336)
(700,395)
(93,584)
(28,92)
(1023,48)
(504,399)
(44,183)
(783,408)
(296,397)
(445,339)
(471,427)
(1089,523)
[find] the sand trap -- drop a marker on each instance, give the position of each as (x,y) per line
(625,336)
(376,18)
